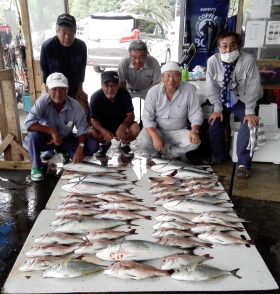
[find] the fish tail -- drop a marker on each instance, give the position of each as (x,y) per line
(208,256)
(174,173)
(135,182)
(128,191)
(148,217)
(132,232)
(234,273)
(239,229)
(129,223)
(170,272)
(152,208)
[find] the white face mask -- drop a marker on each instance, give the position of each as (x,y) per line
(230,57)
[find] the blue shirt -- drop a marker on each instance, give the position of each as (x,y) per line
(72,115)
(174,114)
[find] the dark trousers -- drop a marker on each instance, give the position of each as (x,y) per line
(217,136)
(37,142)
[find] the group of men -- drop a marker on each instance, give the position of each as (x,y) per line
(172,113)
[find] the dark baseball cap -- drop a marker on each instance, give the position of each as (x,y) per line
(109,76)
(67,20)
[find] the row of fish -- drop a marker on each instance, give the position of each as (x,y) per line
(91,226)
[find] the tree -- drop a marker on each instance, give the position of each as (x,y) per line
(159,10)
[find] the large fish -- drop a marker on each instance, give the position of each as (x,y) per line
(195,206)
(79,211)
(116,196)
(178,261)
(93,246)
(136,250)
(201,272)
(90,168)
(171,232)
(204,228)
(216,217)
(125,205)
(104,180)
(71,269)
(115,214)
(182,242)
(172,225)
(88,225)
(57,237)
(133,270)
(91,188)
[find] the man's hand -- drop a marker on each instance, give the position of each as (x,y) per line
(56,138)
(214,116)
(120,133)
(107,136)
(158,143)
(78,155)
(252,119)
(194,137)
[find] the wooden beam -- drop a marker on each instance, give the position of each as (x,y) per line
(19,165)
(239,17)
(6,142)
(20,149)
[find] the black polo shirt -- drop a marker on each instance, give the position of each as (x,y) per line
(110,114)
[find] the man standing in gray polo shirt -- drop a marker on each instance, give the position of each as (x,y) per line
(168,108)
(140,71)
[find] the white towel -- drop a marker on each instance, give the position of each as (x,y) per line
(257,137)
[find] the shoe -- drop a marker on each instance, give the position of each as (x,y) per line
(126,151)
(243,172)
(36,174)
(103,148)
(47,155)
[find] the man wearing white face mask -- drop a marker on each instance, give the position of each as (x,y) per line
(233,85)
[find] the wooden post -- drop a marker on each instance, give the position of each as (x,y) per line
(28,46)
(1,57)
(239,17)
(10,125)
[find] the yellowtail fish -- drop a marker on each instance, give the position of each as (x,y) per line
(202,272)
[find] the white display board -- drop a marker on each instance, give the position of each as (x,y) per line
(254,273)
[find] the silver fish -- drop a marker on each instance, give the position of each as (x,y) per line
(58,237)
(169,232)
(133,270)
(195,206)
(178,261)
(65,219)
(78,198)
(108,234)
(77,205)
(104,180)
(90,168)
(201,272)
(116,196)
(39,263)
(51,249)
(172,225)
(182,242)
(217,218)
(88,225)
(204,228)
(222,238)
(79,211)
(93,246)
(90,188)
(168,217)
(125,205)
(136,250)
(71,269)
(115,214)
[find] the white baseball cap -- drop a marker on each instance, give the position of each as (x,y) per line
(56,80)
(171,66)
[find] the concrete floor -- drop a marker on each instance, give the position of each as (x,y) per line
(22,201)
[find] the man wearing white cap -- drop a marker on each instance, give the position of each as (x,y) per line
(168,108)
(50,123)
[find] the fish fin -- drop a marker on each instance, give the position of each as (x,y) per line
(234,273)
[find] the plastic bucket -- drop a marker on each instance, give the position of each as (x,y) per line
(27,102)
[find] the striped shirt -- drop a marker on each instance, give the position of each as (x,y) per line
(139,80)
(174,115)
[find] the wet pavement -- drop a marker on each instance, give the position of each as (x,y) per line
(22,201)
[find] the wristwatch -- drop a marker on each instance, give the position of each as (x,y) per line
(82,145)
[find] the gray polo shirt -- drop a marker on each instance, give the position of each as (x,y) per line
(72,115)
(160,112)
(140,80)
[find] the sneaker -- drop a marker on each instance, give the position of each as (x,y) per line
(243,172)
(36,174)
(126,151)
(103,148)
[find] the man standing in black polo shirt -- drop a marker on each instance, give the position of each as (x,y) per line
(112,115)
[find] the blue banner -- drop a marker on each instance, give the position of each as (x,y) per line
(205,20)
